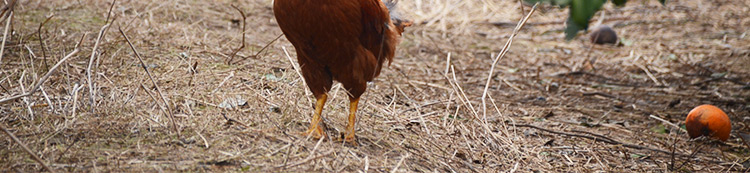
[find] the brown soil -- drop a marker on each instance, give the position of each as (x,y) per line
(421,115)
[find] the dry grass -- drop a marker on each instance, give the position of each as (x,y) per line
(421,115)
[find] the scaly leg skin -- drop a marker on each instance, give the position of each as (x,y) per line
(349,137)
(316,128)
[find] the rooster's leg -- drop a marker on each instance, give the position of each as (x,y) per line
(349,137)
(316,125)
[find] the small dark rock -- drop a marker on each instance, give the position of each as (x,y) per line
(275,109)
(540,98)
(603,35)
(674,103)
(549,143)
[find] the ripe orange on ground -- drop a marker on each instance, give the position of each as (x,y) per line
(708,120)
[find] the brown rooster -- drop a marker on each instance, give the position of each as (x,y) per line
(342,40)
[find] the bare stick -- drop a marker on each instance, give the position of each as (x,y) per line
(44,78)
(399,163)
(243,35)
(76,88)
(41,41)
(296,69)
(91,63)
(5,36)
(596,138)
(164,108)
(648,73)
(269,44)
(500,56)
(27,150)
(306,160)
(5,11)
(231,74)
(99,37)
(667,122)
(461,93)
(262,49)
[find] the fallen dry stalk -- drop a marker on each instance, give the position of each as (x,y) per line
(499,57)
(41,40)
(102,32)
(5,35)
(306,160)
(244,19)
(46,76)
(164,108)
(597,137)
(667,122)
(27,150)
(5,11)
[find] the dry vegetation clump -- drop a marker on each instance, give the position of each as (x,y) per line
(552,105)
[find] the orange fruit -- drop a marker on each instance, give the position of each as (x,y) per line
(708,120)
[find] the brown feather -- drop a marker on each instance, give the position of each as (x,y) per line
(342,40)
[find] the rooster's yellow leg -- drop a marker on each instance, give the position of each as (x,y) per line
(316,125)
(349,137)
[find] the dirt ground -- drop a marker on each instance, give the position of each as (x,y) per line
(551,105)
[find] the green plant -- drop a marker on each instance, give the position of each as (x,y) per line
(581,11)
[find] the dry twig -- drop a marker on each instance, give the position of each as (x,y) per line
(27,150)
(244,19)
(102,32)
(164,108)
(5,35)
(41,41)
(597,137)
(44,78)
(499,57)
(306,160)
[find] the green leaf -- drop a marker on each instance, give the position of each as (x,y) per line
(719,75)
(572,29)
(672,57)
(626,42)
(663,2)
(581,11)
(271,77)
(561,3)
(619,3)
(512,70)
(245,169)
(659,129)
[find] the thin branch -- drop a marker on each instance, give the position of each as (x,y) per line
(44,78)
(243,34)
(41,41)
(262,49)
(109,13)
(400,162)
(597,138)
(306,160)
(499,57)
(269,44)
(5,36)
(5,11)
(164,108)
(99,37)
(667,122)
(27,150)
(296,69)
